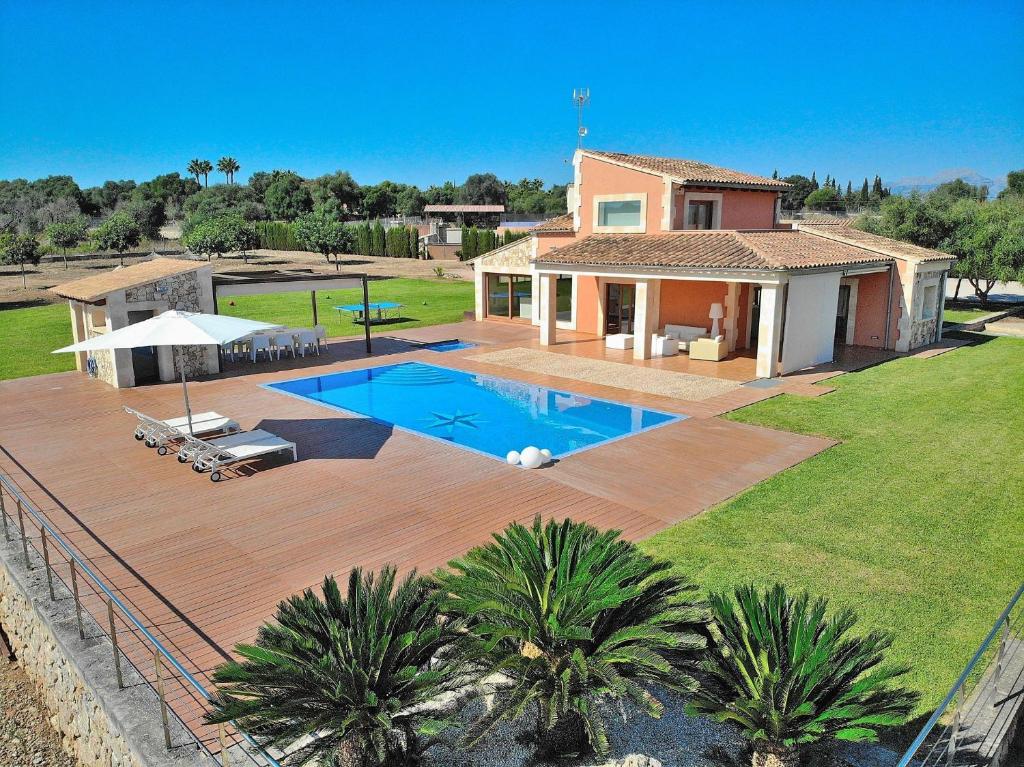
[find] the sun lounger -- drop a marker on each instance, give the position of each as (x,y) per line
(212,455)
(158,433)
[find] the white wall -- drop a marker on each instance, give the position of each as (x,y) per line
(810,328)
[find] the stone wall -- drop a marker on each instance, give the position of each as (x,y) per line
(100,725)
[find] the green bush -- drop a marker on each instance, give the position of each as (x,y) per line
(377,239)
(277,235)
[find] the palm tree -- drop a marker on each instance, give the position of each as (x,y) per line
(789,675)
(344,679)
(195,168)
(206,168)
(568,616)
(228,166)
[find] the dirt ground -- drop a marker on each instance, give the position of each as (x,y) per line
(26,737)
(50,273)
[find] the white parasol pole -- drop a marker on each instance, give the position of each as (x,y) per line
(184,389)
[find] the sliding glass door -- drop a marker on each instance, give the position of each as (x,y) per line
(510,296)
(619,305)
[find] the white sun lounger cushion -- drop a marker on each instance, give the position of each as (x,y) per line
(248,444)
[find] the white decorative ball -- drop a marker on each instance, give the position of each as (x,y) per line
(531,457)
(547,454)
(512,459)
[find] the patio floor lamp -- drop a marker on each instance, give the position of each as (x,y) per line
(715,315)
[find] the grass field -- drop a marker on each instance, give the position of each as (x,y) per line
(27,336)
(427,302)
(914,520)
(962,315)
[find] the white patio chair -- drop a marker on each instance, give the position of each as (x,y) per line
(307,338)
(257,344)
(284,341)
(321,336)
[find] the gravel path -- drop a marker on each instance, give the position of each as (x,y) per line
(26,737)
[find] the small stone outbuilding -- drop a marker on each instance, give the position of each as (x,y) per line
(121,297)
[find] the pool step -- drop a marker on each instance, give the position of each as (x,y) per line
(413,374)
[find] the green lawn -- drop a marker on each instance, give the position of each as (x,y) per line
(915,520)
(27,336)
(427,302)
(962,315)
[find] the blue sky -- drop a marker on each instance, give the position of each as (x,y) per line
(425,92)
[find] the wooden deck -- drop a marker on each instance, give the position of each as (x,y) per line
(203,564)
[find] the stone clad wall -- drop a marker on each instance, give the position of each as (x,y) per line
(99,725)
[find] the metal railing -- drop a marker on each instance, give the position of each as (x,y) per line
(131,641)
(938,745)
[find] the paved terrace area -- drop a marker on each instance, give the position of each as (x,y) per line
(204,564)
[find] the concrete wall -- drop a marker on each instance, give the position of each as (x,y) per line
(810,322)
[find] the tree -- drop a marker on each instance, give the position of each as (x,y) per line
(228,166)
(793,199)
(120,232)
(988,241)
(345,678)
(446,194)
(148,214)
(410,201)
(482,189)
(1014,184)
(865,195)
(335,193)
(569,616)
(206,168)
(217,236)
(378,242)
(826,198)
(288,198)
(788,675)
(19,249)
(195,168)
(322,233)
(379,200)
(66,234)
(106,198)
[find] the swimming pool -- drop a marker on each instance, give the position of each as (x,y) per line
(454,345)
(482,413)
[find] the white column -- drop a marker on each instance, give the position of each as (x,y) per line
(548,284)
(942,306)
(480,280)
(731,309)
(769,331)
(645,320)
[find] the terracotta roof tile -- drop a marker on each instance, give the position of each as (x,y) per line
(759,250)
(97,286)
(561,223)
(690,171)
(876,243)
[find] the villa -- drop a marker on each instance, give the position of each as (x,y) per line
(655,252)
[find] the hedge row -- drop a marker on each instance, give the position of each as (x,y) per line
(366,239)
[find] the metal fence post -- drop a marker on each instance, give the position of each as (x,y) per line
(1001,653)
(3,514)
(158,665)
(954,730)
(24,540)
(46,564)
(113,642)
(78,603)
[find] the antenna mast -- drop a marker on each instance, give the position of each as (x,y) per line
(580,97)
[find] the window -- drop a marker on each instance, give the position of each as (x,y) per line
(700,214)
(620,213)
(930,302)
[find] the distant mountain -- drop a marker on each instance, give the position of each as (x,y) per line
(927,183)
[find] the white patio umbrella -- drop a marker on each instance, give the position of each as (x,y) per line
(174,328)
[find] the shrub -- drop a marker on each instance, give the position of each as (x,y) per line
(569,616)
(787,674)
(348,676)
(277,235)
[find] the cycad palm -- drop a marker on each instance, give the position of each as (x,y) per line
(788,674)
(228,166)
(568,616)
(342,680)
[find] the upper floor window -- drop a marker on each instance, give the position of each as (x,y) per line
(700,214)
(620,212)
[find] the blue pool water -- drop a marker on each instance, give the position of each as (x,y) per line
(449,346)
(478,412)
